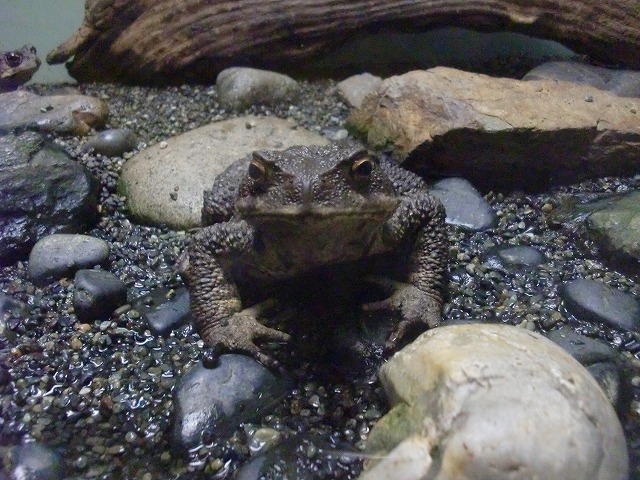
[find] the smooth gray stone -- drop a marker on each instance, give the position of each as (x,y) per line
(61,255)
(594,301)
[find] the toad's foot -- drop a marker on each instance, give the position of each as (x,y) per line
(239,332)
(414,306)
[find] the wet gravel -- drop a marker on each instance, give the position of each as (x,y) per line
(101,392)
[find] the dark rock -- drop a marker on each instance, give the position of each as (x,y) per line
(624,83)
(97,294)
(111,143)
(164,309)
(303,457)
(12,307)
(214,402)
(61,255)
(464,204)
(42,191)
(33,461)
(584,349)
(507,258)
(593,301)
(5,376)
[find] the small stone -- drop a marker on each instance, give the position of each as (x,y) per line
(164,314)
(464,204)
(111,143)
(240,87)
(59,255)
(355,88)
(509,258)
(76,344)
(97,294)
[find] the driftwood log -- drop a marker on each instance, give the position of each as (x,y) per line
(174,41)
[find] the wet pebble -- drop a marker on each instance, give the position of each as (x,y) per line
(97,294)
(594,301)
(33,461)
(211,403)
(464,204)
(303,457)
(513,257)
(112,143)
(164,309)
(60,255)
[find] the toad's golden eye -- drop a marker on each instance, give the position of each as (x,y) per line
(361,168)
(257,170)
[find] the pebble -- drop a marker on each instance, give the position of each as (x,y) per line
(212,402)
(594,301)
(513,257)
(239,88)
(355,88)
(114,142)
(97,294)
(61,255)
(464,205)
(164,309)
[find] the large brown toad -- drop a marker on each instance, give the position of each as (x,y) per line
(278,214)
(17,67)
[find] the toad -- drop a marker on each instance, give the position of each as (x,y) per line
(17,67)
(276,215)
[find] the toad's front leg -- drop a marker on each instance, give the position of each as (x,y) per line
(215,302)
(418,224)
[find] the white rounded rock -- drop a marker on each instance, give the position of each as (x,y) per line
(497,402)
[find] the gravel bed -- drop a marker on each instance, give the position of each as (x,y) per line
(102,391)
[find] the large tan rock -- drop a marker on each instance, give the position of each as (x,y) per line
(502,133)
(493,402)
(164,183)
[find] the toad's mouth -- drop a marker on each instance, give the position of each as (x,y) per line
(380,209)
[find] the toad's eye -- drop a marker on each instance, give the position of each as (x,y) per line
(361,168)
(13,59)
(257,170)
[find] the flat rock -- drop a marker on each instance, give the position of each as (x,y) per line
(75,114)
(356,87)
(464,205)
(476,400)
(616,228)
(594,301)
(164,183)
(212,403)
(624,83)
(240,87)
(501,133)
(61,255)
(42,191)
